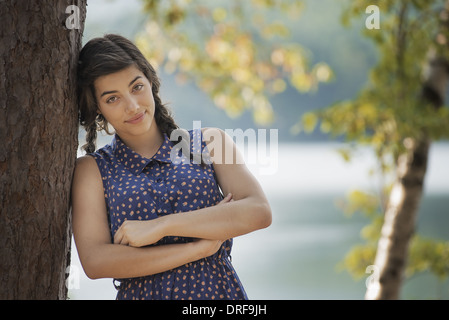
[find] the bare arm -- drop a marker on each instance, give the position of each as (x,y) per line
(248,212)
(102,259)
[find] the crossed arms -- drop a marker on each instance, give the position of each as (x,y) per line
(244,210)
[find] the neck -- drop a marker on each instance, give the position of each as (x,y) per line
(146,144)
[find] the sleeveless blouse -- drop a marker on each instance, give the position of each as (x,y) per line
(138,188)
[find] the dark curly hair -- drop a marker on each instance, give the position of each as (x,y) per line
(102,56)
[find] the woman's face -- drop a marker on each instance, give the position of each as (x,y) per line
(126,101)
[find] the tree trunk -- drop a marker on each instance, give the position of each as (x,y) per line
(399,224)
(405,196)
(39,133)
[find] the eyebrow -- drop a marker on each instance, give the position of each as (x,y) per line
(115,91)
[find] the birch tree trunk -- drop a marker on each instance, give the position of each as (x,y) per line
(38,131)
(399,222)
(405,196)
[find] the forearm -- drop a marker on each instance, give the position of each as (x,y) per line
(219,222)
(120,261)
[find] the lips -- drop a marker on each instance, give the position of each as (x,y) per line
(137,118)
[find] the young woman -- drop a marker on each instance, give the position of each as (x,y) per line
(161,229)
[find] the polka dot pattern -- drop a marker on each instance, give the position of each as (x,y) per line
(137,188)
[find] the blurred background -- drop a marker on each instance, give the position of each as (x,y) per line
(301,255)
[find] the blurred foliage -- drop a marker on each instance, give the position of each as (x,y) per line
(429,254)
(238,52)
(424,254)
(390,108)
(386,112)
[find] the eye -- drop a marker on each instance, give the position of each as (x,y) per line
(138,87)
(111,99)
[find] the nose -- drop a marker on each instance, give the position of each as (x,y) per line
(131,105)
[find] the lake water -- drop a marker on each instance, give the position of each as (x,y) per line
(296,257)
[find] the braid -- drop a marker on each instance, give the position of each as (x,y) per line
(166,124)
(164,119)
(91,137)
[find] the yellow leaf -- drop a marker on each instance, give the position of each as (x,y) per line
(322,72)
(301,81)
(219,14)
(309,122)
(279,85)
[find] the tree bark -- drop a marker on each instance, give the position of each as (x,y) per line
(39,133)
(405,197)
(399,223)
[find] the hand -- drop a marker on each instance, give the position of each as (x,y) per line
(136,233)
(226,199)
(208,247)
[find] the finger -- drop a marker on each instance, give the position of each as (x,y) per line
(124,241)
(118,236)
(227,198)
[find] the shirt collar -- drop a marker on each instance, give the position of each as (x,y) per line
(134,161)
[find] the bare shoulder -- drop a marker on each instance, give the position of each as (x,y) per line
(212,131)
(85,161)
(86,170)
(217,137)
(87,192)
(221,146)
